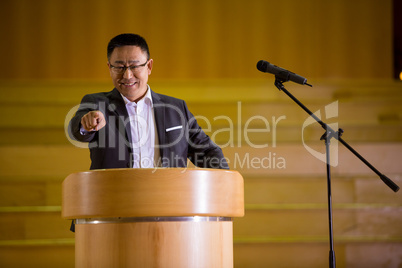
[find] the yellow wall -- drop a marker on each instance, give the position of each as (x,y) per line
(66,39)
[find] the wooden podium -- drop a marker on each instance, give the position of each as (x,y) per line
(165,217)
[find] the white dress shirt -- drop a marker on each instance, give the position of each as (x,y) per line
(143,132)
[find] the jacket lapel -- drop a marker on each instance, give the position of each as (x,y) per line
(118,106)
(159,112)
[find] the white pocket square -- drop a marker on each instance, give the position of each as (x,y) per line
(174,128)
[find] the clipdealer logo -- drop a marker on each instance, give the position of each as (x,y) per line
(331,111)
(240,131)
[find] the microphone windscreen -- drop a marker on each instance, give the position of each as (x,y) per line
(262,66)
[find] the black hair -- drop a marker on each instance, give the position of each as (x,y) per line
(127,39)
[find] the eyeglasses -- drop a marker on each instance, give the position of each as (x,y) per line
(122,69)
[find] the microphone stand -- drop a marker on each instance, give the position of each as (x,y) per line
(327,136)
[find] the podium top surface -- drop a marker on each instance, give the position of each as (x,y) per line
(156,192)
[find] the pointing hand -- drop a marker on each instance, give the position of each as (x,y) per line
(93,121)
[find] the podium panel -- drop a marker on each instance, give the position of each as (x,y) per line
(180,244)
(166,217)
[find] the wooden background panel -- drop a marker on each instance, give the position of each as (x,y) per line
(47,39)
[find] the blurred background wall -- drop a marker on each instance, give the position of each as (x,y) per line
(49,39)
(205,52)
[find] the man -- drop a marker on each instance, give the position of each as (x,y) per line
(134,127)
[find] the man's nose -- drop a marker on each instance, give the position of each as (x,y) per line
(128,73)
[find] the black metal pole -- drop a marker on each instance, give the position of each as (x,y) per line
(327,138)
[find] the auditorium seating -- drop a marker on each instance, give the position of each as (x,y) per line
(260,130)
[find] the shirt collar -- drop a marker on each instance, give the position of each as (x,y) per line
(146,99)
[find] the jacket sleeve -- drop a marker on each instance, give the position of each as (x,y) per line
(88,104)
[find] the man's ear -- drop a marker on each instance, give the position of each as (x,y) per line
(108,66)
(149,65)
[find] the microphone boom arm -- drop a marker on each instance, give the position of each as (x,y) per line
(385,179)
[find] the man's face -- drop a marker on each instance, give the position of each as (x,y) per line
(132,83)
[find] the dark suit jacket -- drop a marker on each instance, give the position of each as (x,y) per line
(180,137)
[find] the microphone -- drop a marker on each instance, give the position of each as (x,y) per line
(280,73)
